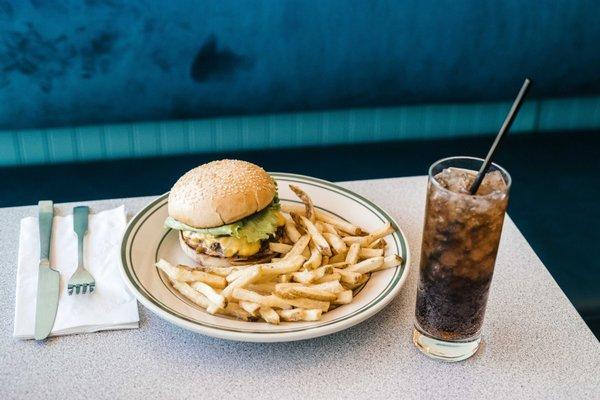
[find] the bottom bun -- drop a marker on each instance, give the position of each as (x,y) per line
(210,261)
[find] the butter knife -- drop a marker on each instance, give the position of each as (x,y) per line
(48,278)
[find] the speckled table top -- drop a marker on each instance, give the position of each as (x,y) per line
(535,343)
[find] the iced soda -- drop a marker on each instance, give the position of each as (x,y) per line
(460,242)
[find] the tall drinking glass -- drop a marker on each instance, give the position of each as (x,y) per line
(460,243)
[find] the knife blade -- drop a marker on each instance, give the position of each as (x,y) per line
(48,278)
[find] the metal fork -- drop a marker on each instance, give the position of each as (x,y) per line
(81,281)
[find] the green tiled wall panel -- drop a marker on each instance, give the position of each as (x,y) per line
(287,130)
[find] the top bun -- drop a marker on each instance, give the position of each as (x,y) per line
(220,192)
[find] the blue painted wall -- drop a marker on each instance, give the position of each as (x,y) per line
(76,62)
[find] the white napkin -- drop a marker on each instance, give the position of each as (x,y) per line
(111,306)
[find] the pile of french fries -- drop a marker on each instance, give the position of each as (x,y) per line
(322,260)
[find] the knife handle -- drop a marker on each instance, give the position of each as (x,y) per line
(46,213)
(80,226)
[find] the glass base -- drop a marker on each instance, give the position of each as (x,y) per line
(445,351)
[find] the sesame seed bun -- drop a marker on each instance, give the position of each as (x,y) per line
(220,192)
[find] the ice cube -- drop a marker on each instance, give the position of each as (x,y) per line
(457,180)
(493,182)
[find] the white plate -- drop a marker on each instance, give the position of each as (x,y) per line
(146,240)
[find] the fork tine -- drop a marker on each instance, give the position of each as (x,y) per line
(70,290)
(77,289)
(84,288)
(92,287)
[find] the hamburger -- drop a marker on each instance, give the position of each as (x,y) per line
(226,213)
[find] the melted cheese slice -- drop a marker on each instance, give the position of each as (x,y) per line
(280,219)
(231,246)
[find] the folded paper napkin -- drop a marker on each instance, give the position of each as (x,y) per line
(111,306)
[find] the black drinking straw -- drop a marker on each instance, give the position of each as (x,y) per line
(510,118)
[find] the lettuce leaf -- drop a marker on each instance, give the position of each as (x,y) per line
(225,230)
(256,227)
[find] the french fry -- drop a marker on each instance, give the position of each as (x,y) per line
(234,275)
(184,275)
(284,278)
(279,247)
(319,226)
(344,297)
(366,252)
(308,204)
(269,315)
(277,302)
(335,242)
(293,208)
(237,311)
(263,288)
(315,257)
(331,287)
(268,301)
(337,258)
(322,271)
(352,255)
(188,292)
(220,271)
(249,307)
(377,244)
(361,281)
(311,276)
(341,264)
(313,314)
(366,266)
(249,275)
(323,217)
(241,294)
(285,266)
(303,276)
(298,247)
(348,276)
(306,253)
(329,228)
(289,290)
(354,239)
(306,303)
(324,260)
(296,217)
(291,231)
(316,236)
(285,239)
(339,223)
(365,241)
(210,294)
(328,278)
(340,232)
(391,261)
(214,309)
(293,315)
(300,314)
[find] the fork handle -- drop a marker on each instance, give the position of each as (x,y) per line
(80,226)
(46,213)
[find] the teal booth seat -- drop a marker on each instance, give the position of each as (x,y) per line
(98,79)
(224,134)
